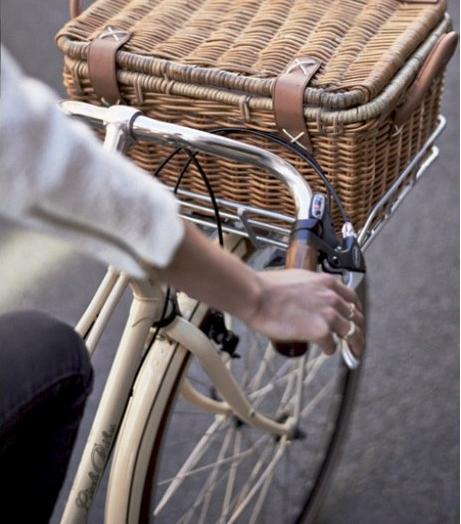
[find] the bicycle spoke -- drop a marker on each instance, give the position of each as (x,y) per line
(212,478)
(320,395)
(203,498)
(313,363)
(275,380)
(195,456)
(183,475)
(287,498)
(257,486)
(261,499)
(274,374)
(232,477)
(299,388)
(256,381)
(245,488)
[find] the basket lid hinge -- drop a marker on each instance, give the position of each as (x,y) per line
(102,63)
(288,100)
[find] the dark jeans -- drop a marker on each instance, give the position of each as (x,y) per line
(46,377)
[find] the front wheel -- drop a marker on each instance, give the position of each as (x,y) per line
(191,465)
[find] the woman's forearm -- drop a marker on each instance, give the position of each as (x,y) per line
(213,275)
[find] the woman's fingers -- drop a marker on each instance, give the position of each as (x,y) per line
(344,318)
(327,344)
(301,305)
(347,311)
(349,330)
(354,339)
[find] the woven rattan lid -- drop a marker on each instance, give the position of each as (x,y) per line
(244,44)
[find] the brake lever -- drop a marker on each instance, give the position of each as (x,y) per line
(344,258)
(314,241)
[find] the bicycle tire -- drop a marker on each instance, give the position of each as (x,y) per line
(322,429)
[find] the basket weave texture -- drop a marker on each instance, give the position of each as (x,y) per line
(213,63)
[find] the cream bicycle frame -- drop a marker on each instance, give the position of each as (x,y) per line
(128,389)
(148,297)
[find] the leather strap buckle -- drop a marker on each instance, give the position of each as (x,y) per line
(102,63)
(288,100)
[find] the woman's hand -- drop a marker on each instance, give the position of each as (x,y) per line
(302,305)
(291,304)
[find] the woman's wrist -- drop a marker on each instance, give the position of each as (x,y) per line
(208,273)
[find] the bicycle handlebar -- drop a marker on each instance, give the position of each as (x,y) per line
(125,124)
(300,255)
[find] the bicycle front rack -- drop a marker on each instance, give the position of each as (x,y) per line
(271,228)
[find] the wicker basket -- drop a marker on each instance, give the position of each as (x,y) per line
(215,63)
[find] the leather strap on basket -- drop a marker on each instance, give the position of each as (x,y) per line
(288,100)
(433,66)
(102,63)
(75,7)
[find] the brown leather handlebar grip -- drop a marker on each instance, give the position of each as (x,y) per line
(299,256)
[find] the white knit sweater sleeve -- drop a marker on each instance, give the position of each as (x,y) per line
(56,177)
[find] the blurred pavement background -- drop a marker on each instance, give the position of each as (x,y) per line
(401,460)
